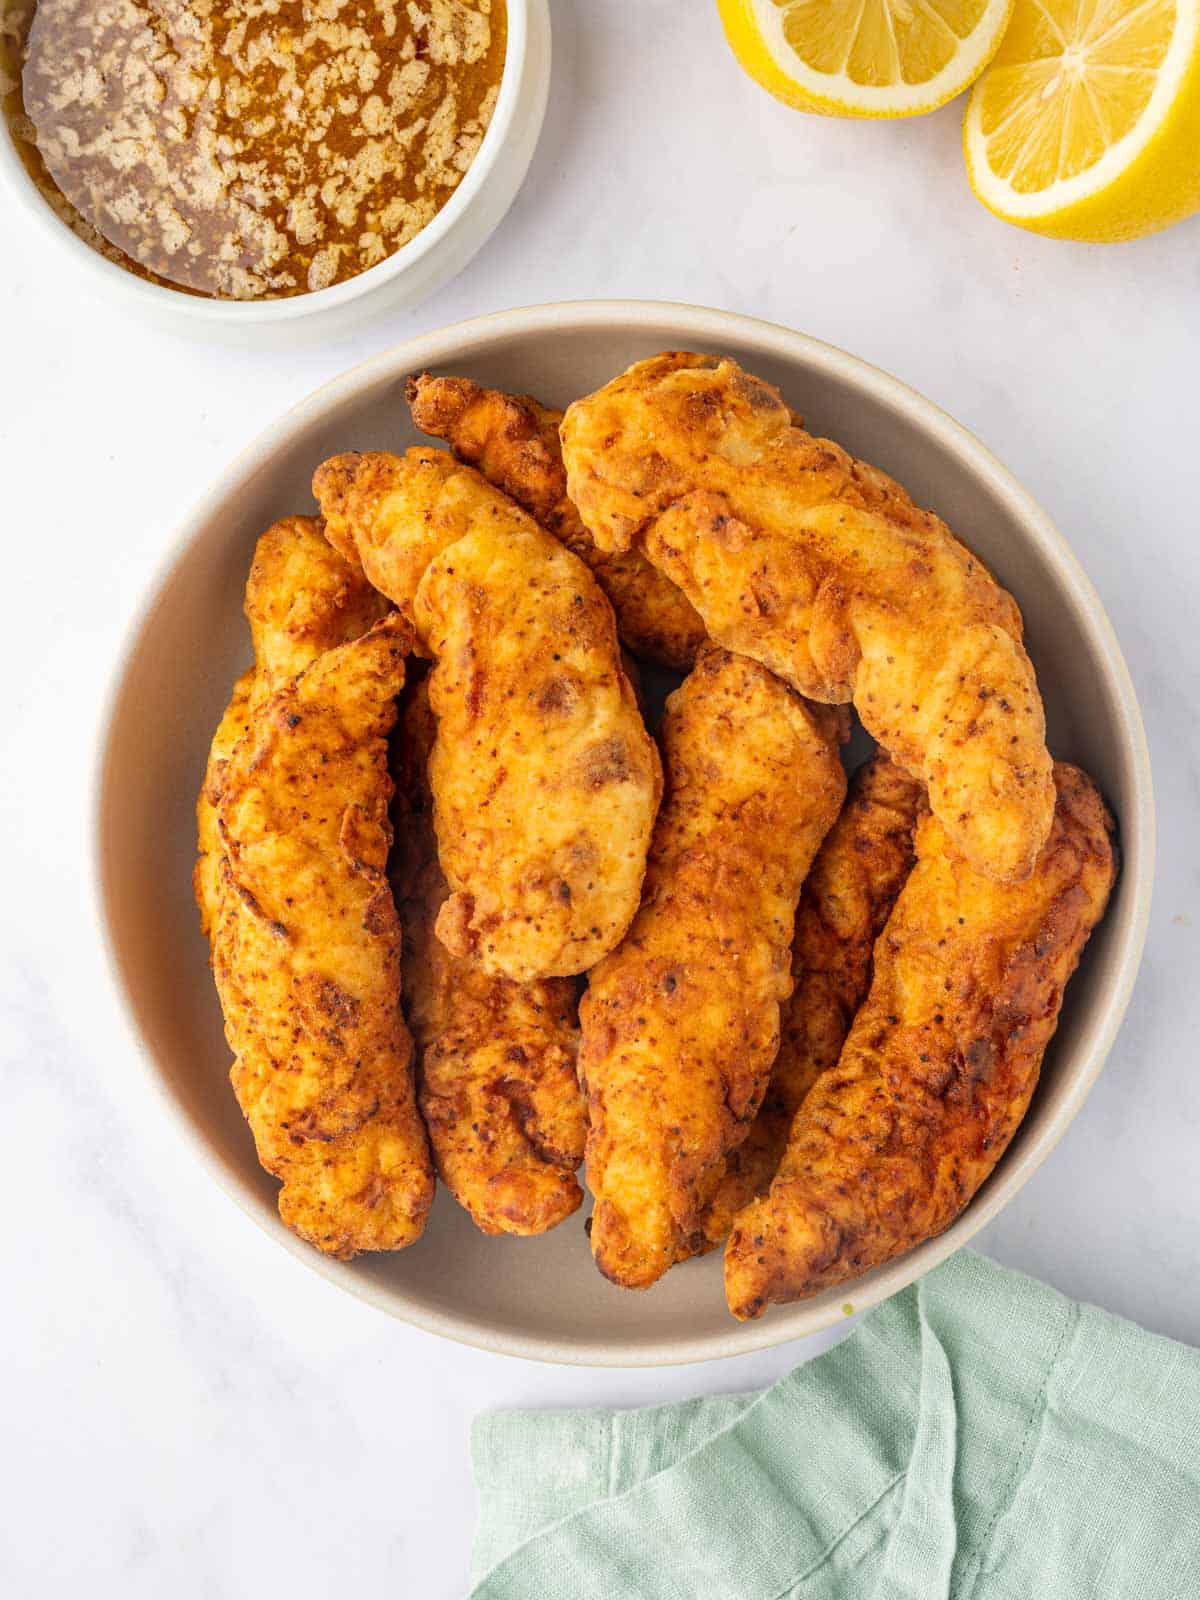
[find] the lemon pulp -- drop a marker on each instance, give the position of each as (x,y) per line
(879,42)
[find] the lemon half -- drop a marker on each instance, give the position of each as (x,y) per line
(864,58)
(1087,123)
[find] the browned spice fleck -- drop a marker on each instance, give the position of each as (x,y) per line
(249,149)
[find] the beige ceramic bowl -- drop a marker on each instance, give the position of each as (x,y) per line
(542,1297)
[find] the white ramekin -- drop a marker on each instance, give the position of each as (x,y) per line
(409,275)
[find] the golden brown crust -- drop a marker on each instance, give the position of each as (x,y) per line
(206,877)
(681,1022)
(306,953)
(847,897)
(544,778)
(301,598)
(823,569)
(392,514)
(497,1079)
(513,440)
(939,1066)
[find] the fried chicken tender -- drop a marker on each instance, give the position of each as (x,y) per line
(680,1023)
(513,441)
(306,953)
(847,897)
(939,1066)
(301,598)
(545,781)
(823,569)
(497,1079)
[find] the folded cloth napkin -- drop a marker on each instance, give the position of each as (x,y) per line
(976,1436)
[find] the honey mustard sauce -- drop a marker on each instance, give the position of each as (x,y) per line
(249,149)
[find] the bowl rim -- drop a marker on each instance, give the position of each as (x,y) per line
(206,310)
(697,327)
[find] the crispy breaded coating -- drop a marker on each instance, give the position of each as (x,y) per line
(496,1060)
(681,1023)
(301,598)
(823,569)
(847,897)
(206,877)
(393,514)
(939,1066)
(306,953)
(545,781)
(513,441)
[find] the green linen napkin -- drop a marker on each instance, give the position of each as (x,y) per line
(976,1436)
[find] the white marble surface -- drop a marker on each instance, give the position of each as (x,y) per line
(187,1411)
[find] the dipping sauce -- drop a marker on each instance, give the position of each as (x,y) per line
(250,149)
